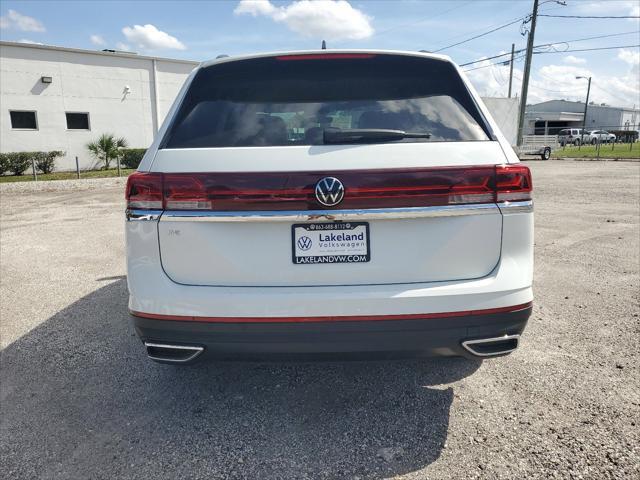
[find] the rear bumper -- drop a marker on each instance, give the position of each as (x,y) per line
(433,336)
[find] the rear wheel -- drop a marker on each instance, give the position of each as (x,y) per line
(546,154)
(576,142)
(593,141)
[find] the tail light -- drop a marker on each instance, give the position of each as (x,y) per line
(144,190)
(186,192)
(513,183)
(389,188)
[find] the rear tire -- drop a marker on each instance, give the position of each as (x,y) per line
(546,154)
(576,142)
(593,141)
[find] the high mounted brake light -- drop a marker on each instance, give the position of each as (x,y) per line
(325,56)
(389,188)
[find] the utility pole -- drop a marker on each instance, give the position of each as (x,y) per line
(586,105)
(513,46)
(527,71)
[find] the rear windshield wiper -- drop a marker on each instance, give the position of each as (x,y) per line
(368,135)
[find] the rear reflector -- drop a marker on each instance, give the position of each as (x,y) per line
(280,191)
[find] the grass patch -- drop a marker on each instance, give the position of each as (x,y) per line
(616,150)
(28,177)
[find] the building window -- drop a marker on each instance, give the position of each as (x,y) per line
(23,120)
(77,121)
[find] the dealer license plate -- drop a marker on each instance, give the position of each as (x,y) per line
(343,242)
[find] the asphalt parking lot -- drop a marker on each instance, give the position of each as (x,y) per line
(79,399)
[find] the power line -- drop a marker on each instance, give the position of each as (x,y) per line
(588,49)
(480,35)
(624,100)
(551,44)
(537,53)
(381,32)
(490,58)
(589,16)
(548,89)
(492,64)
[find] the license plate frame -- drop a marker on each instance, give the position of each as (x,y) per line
(337,249)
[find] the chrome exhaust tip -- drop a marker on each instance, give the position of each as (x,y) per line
(169,353)
(492,347)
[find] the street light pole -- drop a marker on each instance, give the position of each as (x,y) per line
(586,106)
(513,47)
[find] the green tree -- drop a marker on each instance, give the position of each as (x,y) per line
(107,148)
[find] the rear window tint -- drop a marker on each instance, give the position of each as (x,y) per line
(277,101)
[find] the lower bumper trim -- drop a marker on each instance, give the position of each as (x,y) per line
(331,340)
(342,318)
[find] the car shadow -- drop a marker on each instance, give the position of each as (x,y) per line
(79,399)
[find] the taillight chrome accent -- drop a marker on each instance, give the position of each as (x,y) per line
(364,189)
(144,191)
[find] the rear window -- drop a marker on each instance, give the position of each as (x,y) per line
(289,100)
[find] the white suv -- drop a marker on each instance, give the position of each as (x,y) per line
(600,136)
(329,202)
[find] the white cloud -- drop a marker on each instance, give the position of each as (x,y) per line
(325,19)
(123,46)
(570,59)
(255,8)
(493,81)
(148,37)
(98,40)
(30,42)
(17,21)
(627,7)
(632,57)
(559,82)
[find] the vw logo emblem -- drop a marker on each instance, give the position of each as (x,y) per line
(304,243)
(329,191)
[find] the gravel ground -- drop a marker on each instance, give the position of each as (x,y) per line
(80,400)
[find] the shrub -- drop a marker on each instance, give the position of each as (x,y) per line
(107,148)
(19,162)
(4,163)
(131,157)
(45,161)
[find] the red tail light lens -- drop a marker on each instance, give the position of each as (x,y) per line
(421,187)
(513,183)
(186,192)
(144,190)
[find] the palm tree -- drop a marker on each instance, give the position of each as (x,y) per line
(107,148)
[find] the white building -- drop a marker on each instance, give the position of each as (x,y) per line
(548,118)
(56,98)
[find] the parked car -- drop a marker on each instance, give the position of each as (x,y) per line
(575,136)
(601,136)
(397,221)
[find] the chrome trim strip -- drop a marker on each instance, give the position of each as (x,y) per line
(309,215)
(468,345)
(516,207)
(196,351)
(142,215)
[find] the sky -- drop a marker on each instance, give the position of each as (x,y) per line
(201,30)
